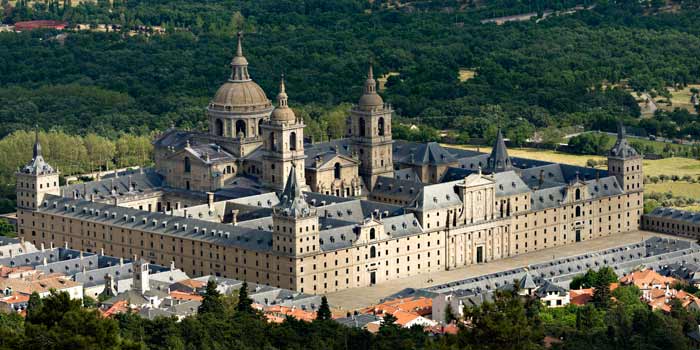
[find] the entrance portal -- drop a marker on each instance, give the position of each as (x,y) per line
(578,235)
(372,278)
(479,255)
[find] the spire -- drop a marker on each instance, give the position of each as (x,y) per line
(239,49)
(282,96)
(499,160)
(37,146)
(370,98)
(622,148)
(292,202)
(239,64)
(370,83)
(283,113)
(620,130)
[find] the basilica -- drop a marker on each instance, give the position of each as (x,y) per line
(252,199)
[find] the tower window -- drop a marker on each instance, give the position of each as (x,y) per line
(240,128)
(362,127)
(219,127)
(578,194)
(188,165)
(293,141)
(381,126)
(372,233)
(272,141)
(336,171)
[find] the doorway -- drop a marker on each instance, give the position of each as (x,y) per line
(479,255)
(372,278)
(578,235)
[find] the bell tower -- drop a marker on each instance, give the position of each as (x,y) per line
(625,163)
(284,145)
(295,223)
(370,131)
(35,180)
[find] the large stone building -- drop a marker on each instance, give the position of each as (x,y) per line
(249,199)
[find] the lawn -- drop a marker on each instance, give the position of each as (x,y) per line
(672,166)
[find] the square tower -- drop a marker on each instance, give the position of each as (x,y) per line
(36,180)
(626,164)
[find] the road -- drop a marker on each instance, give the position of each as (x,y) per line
(352,299)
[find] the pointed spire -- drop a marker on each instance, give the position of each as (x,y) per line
(292,202)
(620,130)
(239,49)
(499,160)
(282,95)
(37,146)
(239,64)
(370,98)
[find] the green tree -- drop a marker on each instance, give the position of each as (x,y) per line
(324,311)
(212,302)
(245,304)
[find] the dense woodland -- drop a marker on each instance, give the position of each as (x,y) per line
(226,322)
(529,76)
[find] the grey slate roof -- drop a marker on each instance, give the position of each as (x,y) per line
(210,153)
(436,196)
(622,148)
(292,202)
(130,183)
(675,214)
(430,153)
(159,223)
(37,166)
(358,321)
(499,160)
(508,183)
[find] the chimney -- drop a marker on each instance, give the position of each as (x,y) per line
(541,178)
(121,261)
(172,265)
(210,199)
(234,214)
(42,246)
(102,251)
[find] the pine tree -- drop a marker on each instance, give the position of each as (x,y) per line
(601,294)
(34,306)
(245,304)
(324,311)
(388,323)
(212,302)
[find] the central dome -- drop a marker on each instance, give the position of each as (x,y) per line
(240,93)
(243,96)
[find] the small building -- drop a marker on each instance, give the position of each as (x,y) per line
(40,24)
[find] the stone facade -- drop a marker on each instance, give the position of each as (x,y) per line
(430,208)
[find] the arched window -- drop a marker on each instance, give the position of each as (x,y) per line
(381,126)
(188,165)
(293,141)
(219,127)
(336,171)
(578,211)
(272,141)
(260,122)
(362,127)
(372,252)
(578,194)
(372,233)
(240,128)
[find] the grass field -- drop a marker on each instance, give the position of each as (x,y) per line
(678,188)
(667,166)
(681,98)
(466,74)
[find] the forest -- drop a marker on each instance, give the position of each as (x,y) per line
(527,76)
(613,320)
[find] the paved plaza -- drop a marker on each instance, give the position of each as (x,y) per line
(355,298)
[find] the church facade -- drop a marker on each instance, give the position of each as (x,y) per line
(250,199)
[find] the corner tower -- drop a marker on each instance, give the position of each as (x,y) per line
(625,163)
(294,222)
(284,145)
(35,180)
(370,131)
(239,108)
